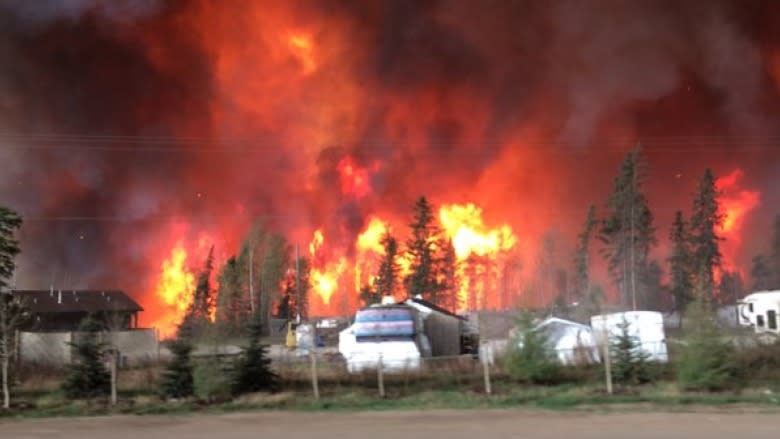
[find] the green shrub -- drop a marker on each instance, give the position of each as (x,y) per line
(177,380)
(629,361)
(87,377)
(253,369)
(530,357)
(707,361)
(211,380)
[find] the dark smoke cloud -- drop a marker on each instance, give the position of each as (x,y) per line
(579,72)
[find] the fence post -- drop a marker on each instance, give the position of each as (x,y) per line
(486,369)
(607,361)
(380,377)
(314,381)
(114,359)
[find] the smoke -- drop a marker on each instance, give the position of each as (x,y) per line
(128,118)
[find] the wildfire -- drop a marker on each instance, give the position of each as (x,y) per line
(303,49)
(355,180)
(371,238)
(463,224)
(175,288)
(478,250)
(735,205)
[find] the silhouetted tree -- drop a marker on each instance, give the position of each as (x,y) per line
(627,232)
(705,241)
(421,248)
(253,368)
(12,311)
(680,270)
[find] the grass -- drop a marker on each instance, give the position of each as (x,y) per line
(566,397)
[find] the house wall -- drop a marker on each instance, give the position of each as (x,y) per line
(443,333)
(52,348)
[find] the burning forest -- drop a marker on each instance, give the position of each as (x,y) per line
(291,140)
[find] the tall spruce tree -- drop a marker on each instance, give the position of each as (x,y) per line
(386,282)
(680,270)
(273,257)
(12,311)
(448,280)
(421,249)
(705,241)
(203,301)
(774,264)
(233,305)
(582,256)
(763,278)
(627,232)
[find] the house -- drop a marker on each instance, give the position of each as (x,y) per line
(55,316)
(58,310)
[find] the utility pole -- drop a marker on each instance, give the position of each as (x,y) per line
(633,237)
(251,280)
(297,281)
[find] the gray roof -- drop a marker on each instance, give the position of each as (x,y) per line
(57,301)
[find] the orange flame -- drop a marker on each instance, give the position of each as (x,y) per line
(463,224)
(478,250)
(303,49)
(176,287)
(735,205)
(355,180)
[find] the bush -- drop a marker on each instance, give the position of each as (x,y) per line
(707,361)
(87,377)
(211,380)
(253,370)
(530,357)
(177,380)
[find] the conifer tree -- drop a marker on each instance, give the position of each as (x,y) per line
(386,282)
(87,376)
(253,370)
(177,380)
(763,277)
(680,269)
(531,357)
(203,301)
(775,254)
(627,232)
(369,296)
(448,269)
(233,305)
(421,248)
(705,241)
(707,361)
(582,256)
(12,312)
(629,360)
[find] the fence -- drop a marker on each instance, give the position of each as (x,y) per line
(53,348)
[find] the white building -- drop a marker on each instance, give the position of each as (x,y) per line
(646,326)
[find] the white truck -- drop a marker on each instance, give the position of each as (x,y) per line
(646,326)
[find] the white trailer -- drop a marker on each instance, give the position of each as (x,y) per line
(646,326)
(760,311)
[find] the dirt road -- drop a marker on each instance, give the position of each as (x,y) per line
(405,425)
